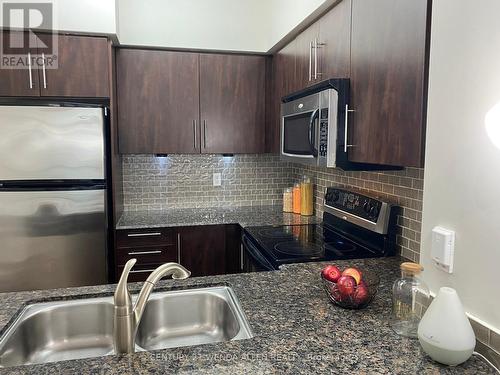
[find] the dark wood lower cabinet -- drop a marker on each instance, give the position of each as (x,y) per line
(233,249)
(203,250)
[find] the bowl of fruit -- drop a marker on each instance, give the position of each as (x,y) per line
(351,288)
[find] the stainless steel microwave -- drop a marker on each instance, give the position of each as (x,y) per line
(313,125)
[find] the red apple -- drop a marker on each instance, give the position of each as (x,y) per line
(361,294)
(354,272)
(346,285)
(331,273)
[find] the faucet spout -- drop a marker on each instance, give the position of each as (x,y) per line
(177,271)
(128,317)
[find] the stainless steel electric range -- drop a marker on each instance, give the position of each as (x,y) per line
(355,225)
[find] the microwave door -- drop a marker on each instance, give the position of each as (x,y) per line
(299,135)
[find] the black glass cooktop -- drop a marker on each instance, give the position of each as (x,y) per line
(304,243)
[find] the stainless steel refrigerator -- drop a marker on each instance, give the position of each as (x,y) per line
(53,221)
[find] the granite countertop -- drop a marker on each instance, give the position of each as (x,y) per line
(245,216)
(297,331)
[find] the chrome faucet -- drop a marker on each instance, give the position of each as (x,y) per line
(127,317)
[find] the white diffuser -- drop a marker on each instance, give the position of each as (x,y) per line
(445,332)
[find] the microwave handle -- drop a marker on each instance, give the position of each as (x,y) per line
(312,134)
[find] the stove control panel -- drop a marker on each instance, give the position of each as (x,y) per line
(360,209)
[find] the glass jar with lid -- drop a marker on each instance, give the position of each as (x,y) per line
(410,297)
(306,197)
(288,200)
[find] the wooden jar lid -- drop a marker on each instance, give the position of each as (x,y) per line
(411,267)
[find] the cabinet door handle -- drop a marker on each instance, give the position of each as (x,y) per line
(194,133)
(144,252)
(316,46)
(179,248)
(151,234)
(310,60)
(241,257)
(346,132)
(29,70)
(43,71)
(204,133)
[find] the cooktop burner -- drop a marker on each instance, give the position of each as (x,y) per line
(298,248)
(340,245)
(276,232)
(305,242)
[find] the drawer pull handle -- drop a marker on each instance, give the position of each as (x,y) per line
(141,271)
(144,234)
(144,252)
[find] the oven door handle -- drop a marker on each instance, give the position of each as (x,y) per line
(256,255)
(312,133)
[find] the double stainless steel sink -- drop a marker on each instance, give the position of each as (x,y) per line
(64,330)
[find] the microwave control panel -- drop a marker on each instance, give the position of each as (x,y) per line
(323,133)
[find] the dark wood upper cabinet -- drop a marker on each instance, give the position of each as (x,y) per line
(158,101)
(82,68)
(19,81)
(388,81)
(306,58)
(283,83)
(203,249)
(232,103)
(334,47)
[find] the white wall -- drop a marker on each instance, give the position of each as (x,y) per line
(83,16)
(462,169)
(239,25)
(234,25)
(288,14)
(214,24)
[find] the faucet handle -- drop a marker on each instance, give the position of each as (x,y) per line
(122,297)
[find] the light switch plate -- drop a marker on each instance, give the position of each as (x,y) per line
(217,179)
(443,248)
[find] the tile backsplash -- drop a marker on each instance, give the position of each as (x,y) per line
(186,181)
(404,188)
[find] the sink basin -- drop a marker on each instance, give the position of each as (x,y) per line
(64,330)
(186,318)
(58,331)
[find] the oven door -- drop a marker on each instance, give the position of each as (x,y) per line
(253,259)
(300,130)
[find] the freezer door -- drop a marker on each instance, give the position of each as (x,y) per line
(52,239)
(44,143)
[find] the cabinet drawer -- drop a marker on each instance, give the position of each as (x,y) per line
(144,237)
(146,255)
(138,273)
